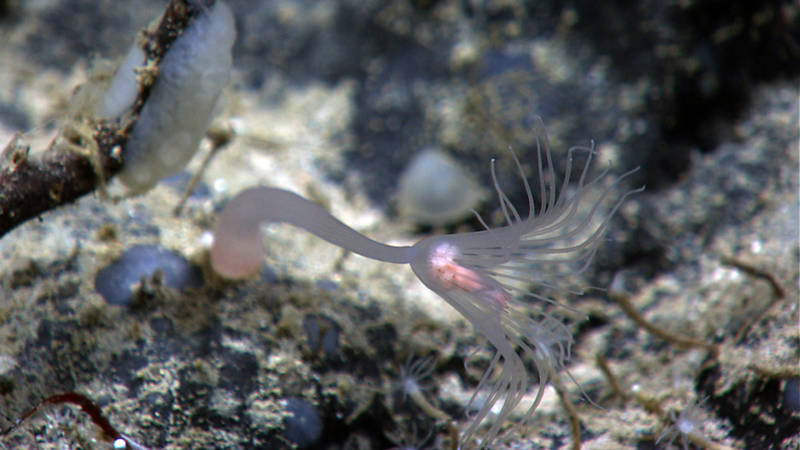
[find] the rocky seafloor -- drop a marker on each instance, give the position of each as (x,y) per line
(332,100)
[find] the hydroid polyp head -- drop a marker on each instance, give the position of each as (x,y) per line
(489,277)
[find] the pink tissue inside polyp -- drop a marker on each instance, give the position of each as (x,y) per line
(451,275)
(238,250)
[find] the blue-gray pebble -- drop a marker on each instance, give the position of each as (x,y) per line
(304,427)
(140,261)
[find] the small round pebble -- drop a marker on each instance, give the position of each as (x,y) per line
(791,394)
(322,333)
(304,427)
(114,282)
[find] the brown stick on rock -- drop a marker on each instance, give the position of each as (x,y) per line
(87,151)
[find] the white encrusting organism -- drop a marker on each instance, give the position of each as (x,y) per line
(123,88)
(435,190)
(486,275)
(180,105)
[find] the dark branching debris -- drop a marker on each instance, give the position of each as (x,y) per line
(87,150)
(89,407)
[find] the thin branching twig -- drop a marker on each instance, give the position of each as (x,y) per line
(85,159)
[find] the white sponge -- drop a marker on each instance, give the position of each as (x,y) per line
(180,105)
(436,190)
(123,89)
